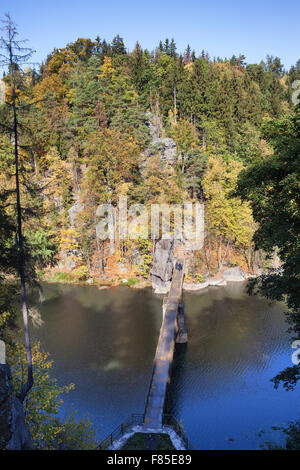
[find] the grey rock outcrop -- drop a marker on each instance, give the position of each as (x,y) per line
(202,285)
(195,286)
(74,210)
(235,274)
(155,125)
(67,260)
(162,268)
(165,147)
(14,434)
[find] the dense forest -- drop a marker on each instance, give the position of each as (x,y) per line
(97,121)
(85,138)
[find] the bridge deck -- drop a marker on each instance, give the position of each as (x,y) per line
(164,352)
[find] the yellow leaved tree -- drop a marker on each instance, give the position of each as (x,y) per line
(228,219)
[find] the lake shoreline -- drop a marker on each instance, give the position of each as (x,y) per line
(235,274)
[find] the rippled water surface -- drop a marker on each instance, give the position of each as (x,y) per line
(104,341)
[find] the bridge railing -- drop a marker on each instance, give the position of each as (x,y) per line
(150,386)
(133,419)
(139,419)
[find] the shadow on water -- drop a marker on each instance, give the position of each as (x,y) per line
(176,378)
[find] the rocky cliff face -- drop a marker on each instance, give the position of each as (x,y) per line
(162,268)
(14,434)
(165,147)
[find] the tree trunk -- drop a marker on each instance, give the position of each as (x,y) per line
(208,258)
(100,257)
(249,257)
(88,261)
(226,252)
(175,105)
(220,252)
(25,389)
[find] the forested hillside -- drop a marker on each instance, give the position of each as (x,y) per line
(97,122)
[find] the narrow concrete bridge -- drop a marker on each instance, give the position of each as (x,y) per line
(172,330)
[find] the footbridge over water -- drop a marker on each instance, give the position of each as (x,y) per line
(172,330)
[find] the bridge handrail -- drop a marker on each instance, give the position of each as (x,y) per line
(150,385)
(119,431)
(138,419)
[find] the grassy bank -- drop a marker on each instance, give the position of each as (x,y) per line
(144,441)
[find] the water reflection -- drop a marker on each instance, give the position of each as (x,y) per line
(104,341)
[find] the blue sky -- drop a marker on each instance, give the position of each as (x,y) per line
(223,28)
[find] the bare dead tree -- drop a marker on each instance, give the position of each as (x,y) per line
(13,57)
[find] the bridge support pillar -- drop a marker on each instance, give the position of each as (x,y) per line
(164,307)
(181,334)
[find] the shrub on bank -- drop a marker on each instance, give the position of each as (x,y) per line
(43,402)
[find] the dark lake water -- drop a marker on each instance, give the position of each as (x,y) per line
(104,341)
